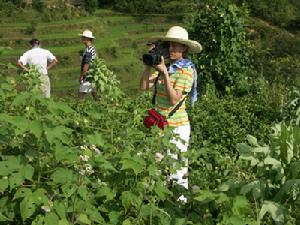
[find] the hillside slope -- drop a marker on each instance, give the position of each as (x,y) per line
(120,40)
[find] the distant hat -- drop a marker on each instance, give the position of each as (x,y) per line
(87,33)
(180,35)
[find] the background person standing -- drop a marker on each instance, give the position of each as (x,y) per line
(89,54)
(40,58)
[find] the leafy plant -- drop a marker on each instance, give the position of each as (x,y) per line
(226,55)
(103,79)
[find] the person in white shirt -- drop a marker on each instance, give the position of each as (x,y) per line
(42,59)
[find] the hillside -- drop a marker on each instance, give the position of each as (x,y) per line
(120,40)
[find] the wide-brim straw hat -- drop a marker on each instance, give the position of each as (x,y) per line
(87,33)
(179,35)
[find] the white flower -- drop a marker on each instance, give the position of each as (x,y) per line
(84,158)
(82,172)
(158,156)
(46,208)
(95,149)
(88,169)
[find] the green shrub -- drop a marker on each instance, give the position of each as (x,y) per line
(31,28)
(38,5)
(223,122)
(226,52)
(89,5)
(279,12)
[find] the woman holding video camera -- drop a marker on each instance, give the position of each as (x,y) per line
(172,84)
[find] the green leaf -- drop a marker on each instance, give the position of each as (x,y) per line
(103,163)
(96,139)
(22,192)
(243,148)
(241,205)
(256,188)
(161,191)
(64,153)
(114,217)
(62,176)
(253,160)
(82,218)
(276,165)
(106,192)
(3,184)
(130,199)
(127,222)
(63,222)
(27,172)
(205,196)
(274,209)
(83,192)
(60,209)
(285,188)
(180,221)
(3,218)
(94,215)
(252,140)
(36,128)
(9,165)
(57,107)
(27,208)
(135,163)
(40,196)
(15,180)
(58,133)
(51,219)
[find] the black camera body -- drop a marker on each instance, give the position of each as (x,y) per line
(153,57)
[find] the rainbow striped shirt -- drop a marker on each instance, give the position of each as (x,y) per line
(182,79)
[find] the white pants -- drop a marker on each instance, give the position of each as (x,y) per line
(46,87)
(182,144)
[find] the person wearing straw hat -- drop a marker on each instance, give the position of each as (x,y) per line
(172,85)
(88,55)
(42,59)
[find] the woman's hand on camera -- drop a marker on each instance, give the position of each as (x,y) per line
(162,68)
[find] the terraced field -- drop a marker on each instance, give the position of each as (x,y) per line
(120,40)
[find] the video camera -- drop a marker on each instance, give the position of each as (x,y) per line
(153,57)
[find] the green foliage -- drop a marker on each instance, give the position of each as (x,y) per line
(279,12)
(226,55)
(103,79)
(38,5)
(31,28)
(31,79)
(152,6)
(89,5)
(67,162)
(291,110)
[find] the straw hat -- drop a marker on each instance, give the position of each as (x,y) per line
(180,35)
(87,33)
